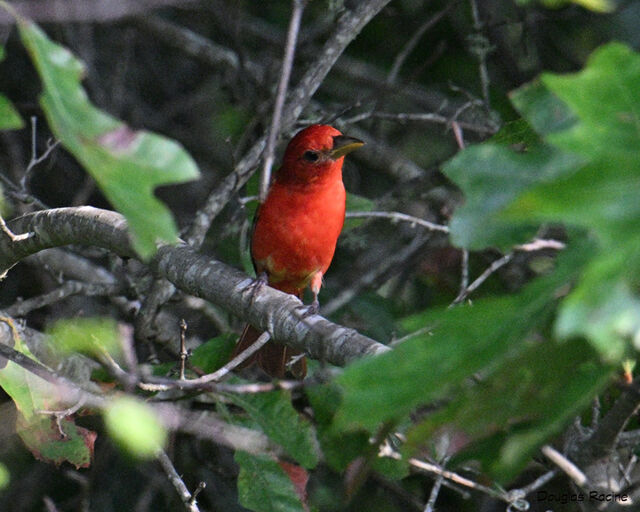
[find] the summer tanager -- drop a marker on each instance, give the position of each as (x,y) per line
(296,230)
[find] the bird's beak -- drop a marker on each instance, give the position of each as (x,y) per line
(342,144)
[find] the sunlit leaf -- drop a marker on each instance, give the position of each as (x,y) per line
(9,117)
(127,165)
(5,476)
(135,427)
(87,335)
(587,175)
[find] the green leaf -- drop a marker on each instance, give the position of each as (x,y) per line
(587,176)
(49,440)
(526,400)
(127,165)
(282,423)
(592,5)
(135,427)
(5,476)
(263,486)
(464,340)
(92,336)
(57,441)
(518,134)
(9,117)
(214,353)
(492,177)
(339,448)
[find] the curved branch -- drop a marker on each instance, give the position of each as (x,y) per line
(266,309)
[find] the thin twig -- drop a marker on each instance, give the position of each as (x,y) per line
(568,467)
(464,271)
(35,159)
(397,216)
(10,234)
(515,497)
(536,245)
(539,244)
(283,84)
(183,348)
(454,477)
(68,289)
(435,490)
(482,48)
(154,385)
(497,264)
(424,117)
(369,278)
(188,500)
(457,132)
(540,481)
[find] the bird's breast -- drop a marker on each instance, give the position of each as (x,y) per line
(296,231)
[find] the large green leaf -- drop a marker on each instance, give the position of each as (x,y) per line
(127,165)
(282,423)
(529,398)
(464,340)
(587,175)
(263,485)
(493,177)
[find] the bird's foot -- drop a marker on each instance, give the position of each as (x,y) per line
(256,285)
(310,310)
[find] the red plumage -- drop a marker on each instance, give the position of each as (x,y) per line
(297,227)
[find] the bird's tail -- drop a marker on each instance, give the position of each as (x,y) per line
(274,358)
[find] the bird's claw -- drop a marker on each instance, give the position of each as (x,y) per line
(257,285)
(310,310)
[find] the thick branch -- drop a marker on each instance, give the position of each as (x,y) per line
(65,11)
(604,439)
(267,309)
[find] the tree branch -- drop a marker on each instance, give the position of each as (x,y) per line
(97,11)
(266,309)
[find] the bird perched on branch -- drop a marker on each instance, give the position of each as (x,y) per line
(296,229)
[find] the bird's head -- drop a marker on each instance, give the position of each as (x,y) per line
(314,152)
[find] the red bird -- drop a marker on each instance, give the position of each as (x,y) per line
(296,229)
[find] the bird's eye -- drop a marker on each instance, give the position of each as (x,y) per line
(310,156)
